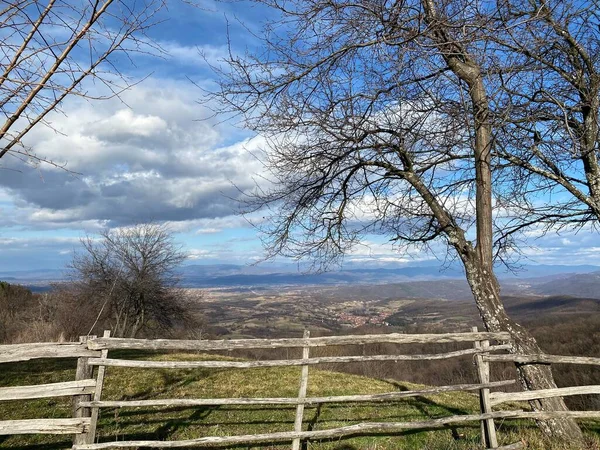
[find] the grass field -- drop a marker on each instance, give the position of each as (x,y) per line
(186,423)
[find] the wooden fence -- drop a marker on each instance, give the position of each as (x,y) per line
(92,352)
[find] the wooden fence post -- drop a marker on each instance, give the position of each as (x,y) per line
(98,395)
(84,372)
(301,392)
(488,430)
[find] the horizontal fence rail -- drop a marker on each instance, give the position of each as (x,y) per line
(503,397)
(93,353)
(26,352)
(82,387)
(351,430)
(233,344)
(45,426)
(386,396)
(543,359)
(68,388)
(106,343)
(284,362)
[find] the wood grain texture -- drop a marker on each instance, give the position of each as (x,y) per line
(483,371)
(542,359)
(502,397)
(98,394)
(301,393)
(205,345)
(83,371)
(352,430)
(48,390)
(45,426)
(282,362)
(26,352)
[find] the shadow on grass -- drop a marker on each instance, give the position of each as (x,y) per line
(197,419)
(44,446)
(342,445)
(18,373)
(170,427)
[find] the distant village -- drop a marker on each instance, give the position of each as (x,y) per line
(353,320)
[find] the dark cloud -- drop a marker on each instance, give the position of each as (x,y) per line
(154,161)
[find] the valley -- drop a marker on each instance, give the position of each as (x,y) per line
(266,311)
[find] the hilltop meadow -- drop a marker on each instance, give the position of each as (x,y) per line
(563,325)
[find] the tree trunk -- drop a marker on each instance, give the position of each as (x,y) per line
(478,261)
(486,291)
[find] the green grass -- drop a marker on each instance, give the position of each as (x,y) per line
(186,423)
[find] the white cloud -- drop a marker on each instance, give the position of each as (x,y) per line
(125,123)
(195,254)
(387,252)
(194,55)
(160,159)
(208,230)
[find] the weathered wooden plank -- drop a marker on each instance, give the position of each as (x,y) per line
(48,390)
(388,396)
(546,415)
(352,430)
(488,429)
(45,426)
(26,352)
(98,394)
(395,338)
(301,393)
(358,429)
(482,424)
(502,397)
(543,359)
(282,362)
(84,371)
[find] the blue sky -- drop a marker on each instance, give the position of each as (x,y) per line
(159,156)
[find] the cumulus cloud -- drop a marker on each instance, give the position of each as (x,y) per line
(154,157)
(565,247)
(124,125)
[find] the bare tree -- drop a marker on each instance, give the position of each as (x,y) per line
(550,107)
(130,276)
(49,48)
(380,118)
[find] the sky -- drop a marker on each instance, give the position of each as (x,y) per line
(158,154)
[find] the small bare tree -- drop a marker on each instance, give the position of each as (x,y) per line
(49,48)
(381,119)
(130,276)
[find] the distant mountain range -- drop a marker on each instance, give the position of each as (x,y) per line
(232,275)
(579,285)
(582,280)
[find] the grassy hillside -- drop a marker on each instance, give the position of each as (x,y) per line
(185,423)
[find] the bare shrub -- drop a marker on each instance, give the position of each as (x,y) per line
(130,274)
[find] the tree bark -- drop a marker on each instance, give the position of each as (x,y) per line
(478,260)
(486,291)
